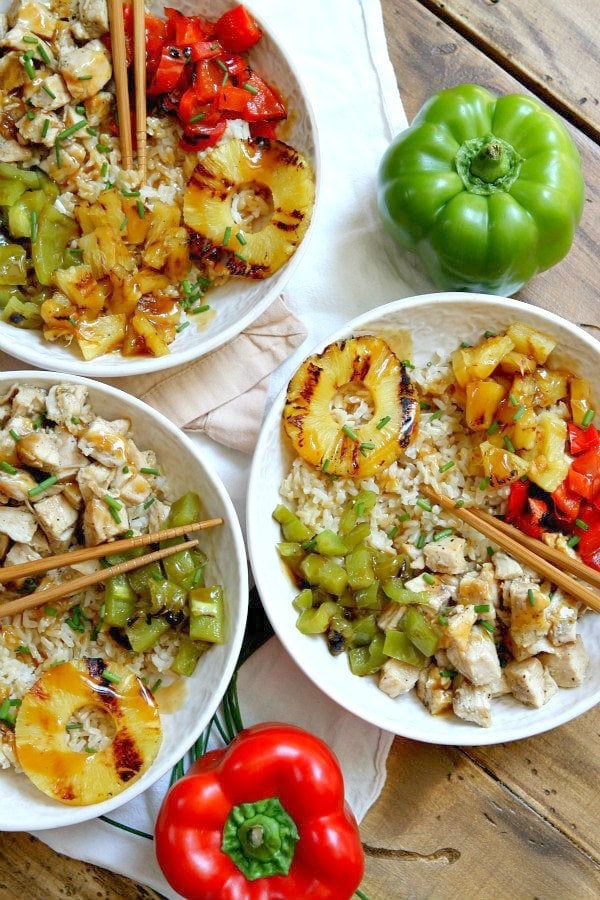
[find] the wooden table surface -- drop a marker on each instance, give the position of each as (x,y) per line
(518,820)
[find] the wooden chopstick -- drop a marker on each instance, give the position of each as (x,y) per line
(38,566)
(119,62)
(139,75)
(517,549)
(13,607)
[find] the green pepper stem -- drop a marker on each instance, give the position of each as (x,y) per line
(260,838)
(487,164)
(492,162)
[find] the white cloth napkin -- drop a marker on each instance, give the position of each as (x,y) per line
(351,266)
(361,749)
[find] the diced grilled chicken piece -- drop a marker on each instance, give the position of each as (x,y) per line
(18,523)
(446,556)
(56,99)
(70,457)
(390,615)
(20,553)
(506,567)
(99,525)
(77,65)
(33,17)
(66,402)
(157,515)
(130,487)
(57,519)
(92,20)
(435,690)
(563,620)
(526,651)
(4,544)
(35,130)
(558,542)
(479,660)
(12,151)
(499,687)
(458,630)
(473,704)
(567,664)
(94,480)
(70,160)
(39,543)
(98,107)
(87,567)
(439,593)
(3,26)
(140,459)
(397,677)
(29,400)
(16,486)
(529,682)
(105,442)
(528,619)
(72,494)
(480,589)
(39,449)
(12,72)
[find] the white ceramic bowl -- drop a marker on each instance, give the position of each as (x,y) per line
(237,303)
(435,321)
(22,806)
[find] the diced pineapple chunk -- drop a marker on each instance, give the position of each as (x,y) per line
(103,335)
(81,288)
(481,402)
(580,399)
(549,464)
(531,342)
(551,386)
(125,293)
(152,339)
(137,227)
(524,390)
(525,430)
(104,251)
(515,363)
(472,363)
(500,465)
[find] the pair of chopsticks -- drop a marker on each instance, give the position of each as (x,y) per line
(552,564)
(67,588)
(117,40)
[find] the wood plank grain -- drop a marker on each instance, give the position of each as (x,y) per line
(551,47)
(428,56)
(462,836)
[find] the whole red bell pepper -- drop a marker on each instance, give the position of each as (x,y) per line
(264,819)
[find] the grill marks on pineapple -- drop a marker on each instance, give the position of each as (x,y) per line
(128,760)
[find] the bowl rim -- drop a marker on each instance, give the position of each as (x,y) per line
(143,365)
(255,538)
(71,815)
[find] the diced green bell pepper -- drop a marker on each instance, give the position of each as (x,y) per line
(364,630)
(166,595)
(304,600)
(181,569)
(395,590)
(420,632)
(316,621)
(144,634)
(324,572)
(21,314)
(185,510)
(28,177)
(387,565)
(399,646)
(359,568)
(357,535)
(20,213)
(207,614)
(291,553)
(120,601)
(54,232)
(140,579)
(187,656)
(368,598)
(13,264)
(328,543)
(367,660)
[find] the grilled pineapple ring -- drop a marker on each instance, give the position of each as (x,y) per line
(41,736)
(316,433)
(262,191)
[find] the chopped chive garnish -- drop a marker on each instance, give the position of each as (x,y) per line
(489,334)
(240,237)
(130,193)
(350,433)
(34,225)
(140,209)
(443,620)
(108,676)
(573,541)
(128,533)
(74,726)
(239,256)
(49,91)
(84,78)
(447,673)
(392,532)
(435,415)
(420,542)
(424,504)
(428,579)
(50,610)
(77,252)
(459,503)
(75,420)
(103,148)
(29,67)
(404,517)
(103,169)
(423,404)
(180,328)
(226,236)
(225,79)
(221,65)
(14,435)
(446,466)
(310,545)
(74,621)
(30,115)
(250,87)
(199,309)
(123,224)
(513,400)
(588,418)
(382,423)
(325,465)
(581,524)
(125,470)
(71,130)
(484,483)
(38,422)
(197,118)
(41,49)
(488,627)
(29,39)
(156,685)
(112,503)
(6,467)
(508,444)
(493,428)
(406,363)
(444,533)
(150,470)
(45,127)
(464,345)
(489,551)
(366,446)
(482,607)
(80,110)
(149,502)
(23,649)
(57,153)
(115,515)
(42,486)
(531,597)
(91,130)
(519,413)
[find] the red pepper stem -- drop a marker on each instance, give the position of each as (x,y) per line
(260,838)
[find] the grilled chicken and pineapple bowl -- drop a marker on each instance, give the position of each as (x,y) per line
(398,610)
(103,691)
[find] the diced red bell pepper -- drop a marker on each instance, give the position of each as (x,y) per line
(582,439)
(204,50)
(182,31)
(517,500)
(237,30)
(584,474)
(233,101)
(527,526)
(207,80)
(169,72)
(238,68)
(200,136)
(264,104)
(190,107)
(537,510)
(566,502)
(263,130)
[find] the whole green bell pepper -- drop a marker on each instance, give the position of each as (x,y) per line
(487,190)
